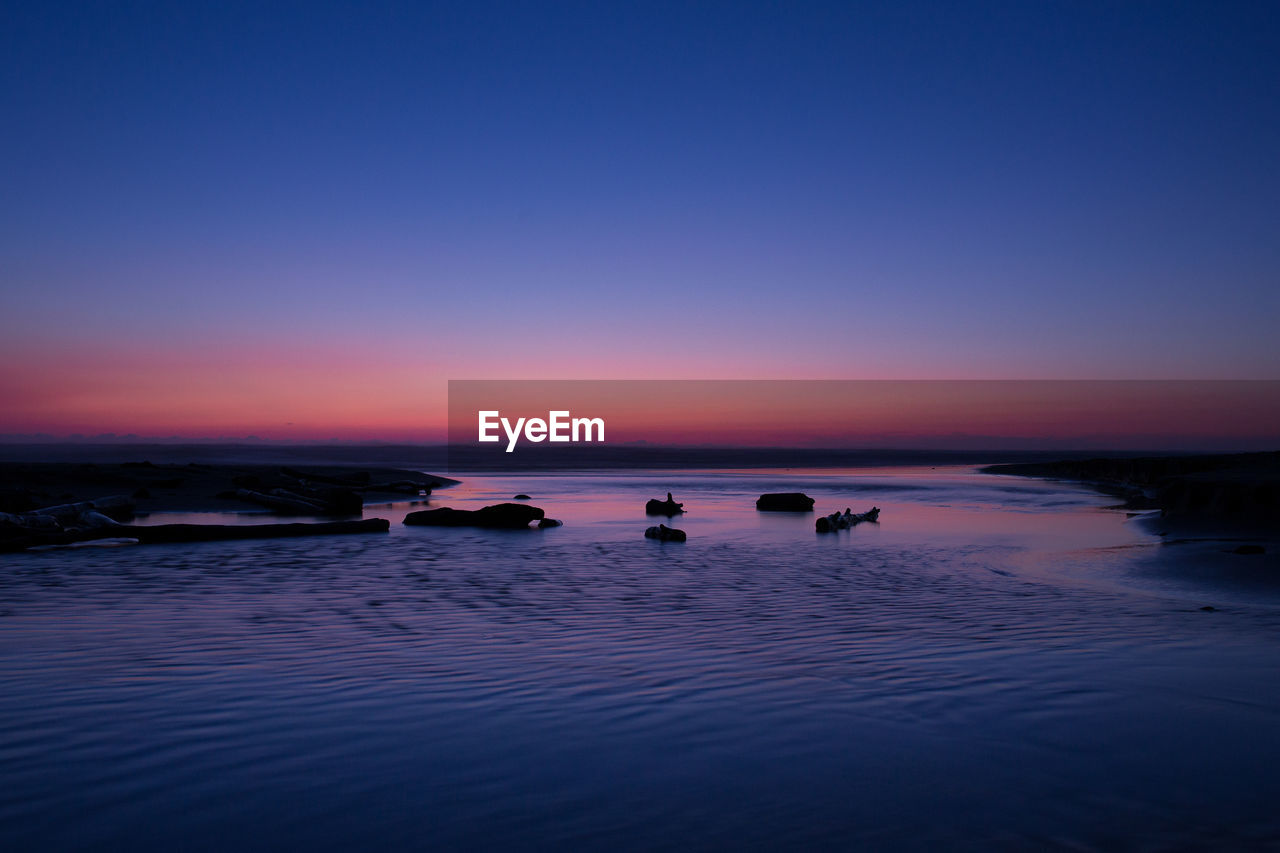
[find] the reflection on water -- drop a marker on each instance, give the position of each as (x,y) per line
(983,668)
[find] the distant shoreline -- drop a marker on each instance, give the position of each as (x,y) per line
(561,458)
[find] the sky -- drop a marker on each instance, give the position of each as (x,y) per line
(299,221)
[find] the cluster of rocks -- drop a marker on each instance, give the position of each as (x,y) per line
(769,502)
(670,508)
(105,517)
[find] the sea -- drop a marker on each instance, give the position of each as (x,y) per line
(999,663)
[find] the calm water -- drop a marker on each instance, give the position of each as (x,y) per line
(999,664)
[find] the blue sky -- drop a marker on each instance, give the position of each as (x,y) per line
(712,190)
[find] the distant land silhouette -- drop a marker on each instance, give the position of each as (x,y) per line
(443,458)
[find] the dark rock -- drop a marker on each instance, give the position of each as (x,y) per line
(665,534)
(1208,608)
(550,522)
(498,516)
(785,502)
(522,497)
(1250,549)
(669,507)
(141,493)
(845,520)
(247,481)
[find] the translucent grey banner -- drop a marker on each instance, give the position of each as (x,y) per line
(576,424)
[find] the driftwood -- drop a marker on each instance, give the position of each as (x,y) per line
(354,483)
(119,507)
(64,519)
(404,487)
(172,533)
(329,502)
(280,503)
(785,502)
(845,520)
(355,480)
(498,516)
(338,501)
(665,534)
(329,488)
(669,507)
(9,521)
(92,520)
(217,532)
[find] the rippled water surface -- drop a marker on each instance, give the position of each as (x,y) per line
(1000,663)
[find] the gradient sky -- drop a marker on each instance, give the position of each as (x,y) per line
(300,220)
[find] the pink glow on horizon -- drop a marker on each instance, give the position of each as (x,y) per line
(270,392)
(292,387)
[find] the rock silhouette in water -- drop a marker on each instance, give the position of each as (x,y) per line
(665,534)
(845,520)
(522,497)
(498,516)
(669,507)
(785,502)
